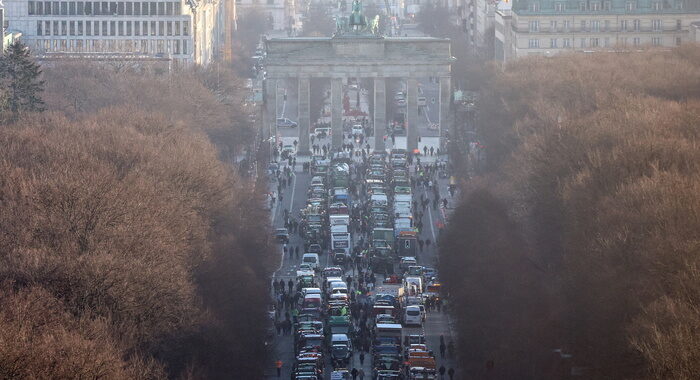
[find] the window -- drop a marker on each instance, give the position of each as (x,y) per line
(177,28)
(47,28)
(185,31)
(128,28)
(678,41)
(656,25)
(88,28)
(566,43)
(153,11)
(170,28)
(120,28)
(161,28)
(55,29)
(64,28)
(582,6)
(161,8)
(595,6)
(71,8)
(184,46)
(47,7)
(80,28)
(583,26)
(81,8)
(112,28)
(39,28)
(631,6)
(31,9)
(656,6)
(606,42)
(153,28)
(129,8)
(137,28)
(624,25)
(552,26)
(120,8)
(595,26)
(88,8)
(176,7)
(55,8)
(534,26)
(656,41)
(105,28)
(113,8)
(176,48)
(560,7)
(595,42)
(607,6)
(606,25)
(534,43)
(137,9)
(105,8)
(169,8)
(567,25)
(583,42)
(534,7)
(553,43)
(636,41)
(637,25)
(64,9)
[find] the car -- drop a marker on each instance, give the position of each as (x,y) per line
(322,132)
(357,130)
(401,102)
(412,316)
(282,235)
(422,101)
(287,151)
(283,122)
(353,86)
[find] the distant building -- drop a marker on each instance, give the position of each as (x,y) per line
(185,31)
(538,27)
(7,36)
(476,19)
(281,14)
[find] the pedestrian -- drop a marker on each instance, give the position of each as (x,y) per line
(432,149)
(296,252)
(278,364)
(425,150)
(451,373)
(443,348)
(438,303)
(290,284)
(278,326)
(361,373)
(362,358)
(354,373)
(442,371)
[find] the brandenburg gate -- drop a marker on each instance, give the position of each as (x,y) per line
(356,52)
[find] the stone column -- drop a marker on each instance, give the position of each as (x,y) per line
(269,127)
(411,114)
(304,115)
(445,99)
(379,113)
(336,112)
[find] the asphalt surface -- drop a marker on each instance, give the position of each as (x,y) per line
(293,199)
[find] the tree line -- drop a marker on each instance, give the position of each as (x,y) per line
(579,247)
(130,248)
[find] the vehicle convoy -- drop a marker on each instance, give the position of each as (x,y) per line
(360,220)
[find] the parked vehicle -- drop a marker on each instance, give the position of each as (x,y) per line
(283,122)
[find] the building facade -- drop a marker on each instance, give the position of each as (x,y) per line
(539,27)
(476,18)
(186,31)
(281,14)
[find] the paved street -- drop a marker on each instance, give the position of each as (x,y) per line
(293,199)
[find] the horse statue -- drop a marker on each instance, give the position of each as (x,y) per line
(357,20)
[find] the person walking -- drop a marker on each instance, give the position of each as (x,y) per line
(443,348)
(451,373)
(362,358)
(290,284)
(279,364)
(361,374)
(354,373)
(442,372)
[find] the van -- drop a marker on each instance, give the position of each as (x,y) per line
(413,284)
(312,260)
(322,132)
(341,349)
(412,316)
(338,288)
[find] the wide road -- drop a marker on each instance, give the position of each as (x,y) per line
(293,199)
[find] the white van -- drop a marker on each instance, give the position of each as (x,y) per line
(412,316)
(413,285)
(379,199)
(339,219)
(311,259)
(338,288)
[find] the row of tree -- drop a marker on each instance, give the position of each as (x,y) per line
(129,247)
(580,247)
